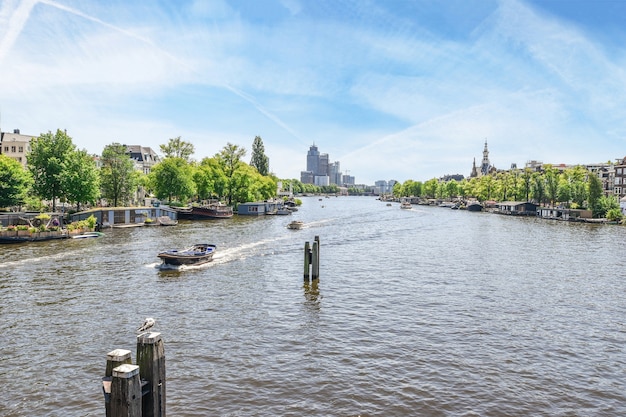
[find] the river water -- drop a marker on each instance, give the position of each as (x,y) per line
(428,311)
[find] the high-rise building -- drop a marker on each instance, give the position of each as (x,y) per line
(313,160)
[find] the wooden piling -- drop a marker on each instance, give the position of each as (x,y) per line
(151,361)
(126,391)
(316,258)
(115,358)
(307,261)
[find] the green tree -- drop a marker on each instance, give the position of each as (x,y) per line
(117,175)
(80,179)
(538,188)
(452,189)
(430,188)
(595,193)
(230,159)
(14,182)
(47,160)
(551,177)
(178,148)
(259,160)
(173,177)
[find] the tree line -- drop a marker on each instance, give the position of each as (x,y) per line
(574,187)
(57,171)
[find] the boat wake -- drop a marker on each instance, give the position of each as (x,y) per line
(243,251)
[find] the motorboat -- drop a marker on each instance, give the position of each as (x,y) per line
(295,225)
(88,235)
(405,205)
(197,254)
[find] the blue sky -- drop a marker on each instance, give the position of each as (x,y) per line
(403,89)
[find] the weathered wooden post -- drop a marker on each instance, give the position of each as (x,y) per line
(307,261)
(316,258)
(126,391)
(151,361)
(115,358)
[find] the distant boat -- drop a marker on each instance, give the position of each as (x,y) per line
(167,221)
(405,205)
(88,235)
(295,225)
(474,206)
(197,254)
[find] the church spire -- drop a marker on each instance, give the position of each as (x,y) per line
(486,165)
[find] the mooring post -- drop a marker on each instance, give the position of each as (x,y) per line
(126,391)
(151,361)
(316,258)
(115,358)
(307,261)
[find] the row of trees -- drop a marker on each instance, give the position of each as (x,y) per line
(57,170)
(572,188)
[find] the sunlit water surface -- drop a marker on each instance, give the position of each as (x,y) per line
(428,311)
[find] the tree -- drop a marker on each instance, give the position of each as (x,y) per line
(527,179)
(80,179)
(538,187)
(178,148)
(14,182)
(430,188)
(230,159)
(259,160)
(594,195)
(173,177)
(551,177)
(47,160)
(117,176)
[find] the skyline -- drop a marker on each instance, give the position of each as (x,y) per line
(391,89)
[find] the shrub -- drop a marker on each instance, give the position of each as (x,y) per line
(614,214)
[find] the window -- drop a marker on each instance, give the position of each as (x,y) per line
(13,149)
(21,149)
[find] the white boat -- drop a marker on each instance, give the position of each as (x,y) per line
(88,235)
(405,205)
(295,225)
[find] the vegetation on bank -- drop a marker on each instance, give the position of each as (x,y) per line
(58,171)
(571,188)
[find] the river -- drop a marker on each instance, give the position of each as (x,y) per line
(428,311)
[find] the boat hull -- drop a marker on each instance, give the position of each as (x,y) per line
(206,213)
(197,255)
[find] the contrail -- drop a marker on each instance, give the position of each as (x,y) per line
(23,11)
(14,23)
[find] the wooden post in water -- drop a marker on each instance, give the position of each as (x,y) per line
(115,358)
(151,361)
(126,391)
(307,261)
(316,258)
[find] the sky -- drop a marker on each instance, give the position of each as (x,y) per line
(391,89)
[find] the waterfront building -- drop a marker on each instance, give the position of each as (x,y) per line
(319,170)
(144,157)
(334,172)
(619,188)
(15,145)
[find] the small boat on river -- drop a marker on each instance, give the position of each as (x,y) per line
(88,235)
(197,254)
(405,205)
(295,225)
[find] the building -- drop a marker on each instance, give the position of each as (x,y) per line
(15,145)
(319,170)
(144,157)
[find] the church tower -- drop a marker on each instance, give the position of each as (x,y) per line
(474,172)
(486,166)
